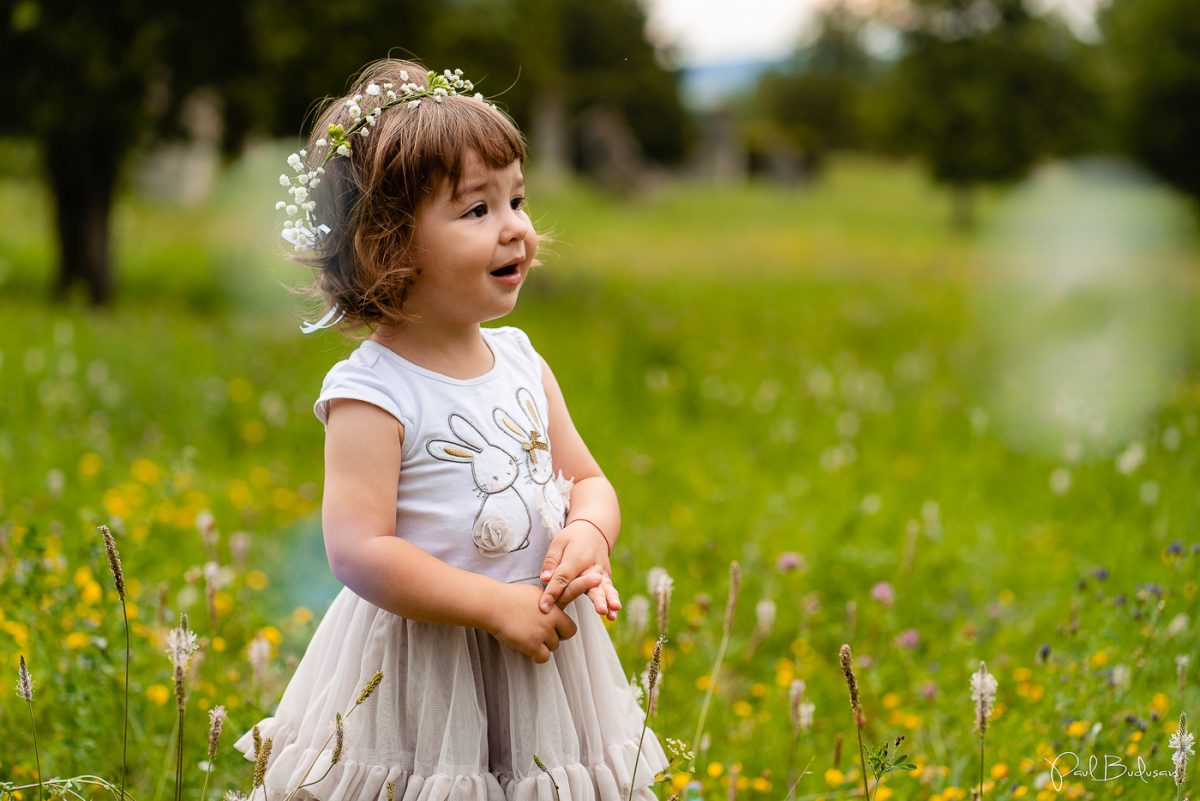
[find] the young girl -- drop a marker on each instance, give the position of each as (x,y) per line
(476,577)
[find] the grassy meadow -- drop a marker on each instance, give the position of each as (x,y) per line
(802,380)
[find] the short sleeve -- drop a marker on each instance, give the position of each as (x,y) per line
(356,378)
(526,348)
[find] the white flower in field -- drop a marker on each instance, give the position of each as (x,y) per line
(258,652)
(983,693)
(637,612)
(1121,676)
(373,89)
(1060,481)
(181,644)
(1182,745)
(764,615)
(806,715)
(1178,625)
(1131,458)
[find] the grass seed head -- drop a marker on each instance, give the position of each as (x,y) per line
(24,681)
(847,661)
(114,560)
(370,688)
(260,763)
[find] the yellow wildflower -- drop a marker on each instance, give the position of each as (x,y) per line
(715,769)
(158,693)
(834,777)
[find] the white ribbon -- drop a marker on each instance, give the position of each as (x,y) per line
(325,322)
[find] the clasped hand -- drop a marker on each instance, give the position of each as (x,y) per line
(535,621)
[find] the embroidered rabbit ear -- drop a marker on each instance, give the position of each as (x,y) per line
(450,451)
(468,433)
(525,401)
(509,426)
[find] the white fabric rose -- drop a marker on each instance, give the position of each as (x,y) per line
(493,536)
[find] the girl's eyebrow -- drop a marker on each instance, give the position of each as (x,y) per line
(479,186)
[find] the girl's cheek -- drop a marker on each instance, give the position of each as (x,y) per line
(531,245)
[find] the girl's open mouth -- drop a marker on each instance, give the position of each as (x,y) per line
(509,270)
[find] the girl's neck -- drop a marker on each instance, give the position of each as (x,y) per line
(457,352)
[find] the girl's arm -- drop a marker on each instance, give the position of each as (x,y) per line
(593,519)
(362,471)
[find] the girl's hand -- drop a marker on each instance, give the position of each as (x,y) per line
(517,622)
(579,552)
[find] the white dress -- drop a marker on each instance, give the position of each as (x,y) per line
(458,716)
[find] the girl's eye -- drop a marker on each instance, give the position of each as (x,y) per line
(518,203)
(481,208)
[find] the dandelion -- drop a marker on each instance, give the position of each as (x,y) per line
(846,658)
(1182,746)
(983,693)
(25,690)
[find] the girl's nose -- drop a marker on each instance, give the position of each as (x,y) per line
(516,226)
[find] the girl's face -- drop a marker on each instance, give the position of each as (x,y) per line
(474,250)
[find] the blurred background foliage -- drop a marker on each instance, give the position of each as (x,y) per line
(979,90)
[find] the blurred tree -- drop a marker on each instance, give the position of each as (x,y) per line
(984,89)
(94,82)
(1155,50)
(812,104)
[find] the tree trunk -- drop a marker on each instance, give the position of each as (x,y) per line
(82,167)
(549,156)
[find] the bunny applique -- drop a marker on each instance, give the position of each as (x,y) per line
(502,524)
(553,493)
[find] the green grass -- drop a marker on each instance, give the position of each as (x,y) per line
(759,370)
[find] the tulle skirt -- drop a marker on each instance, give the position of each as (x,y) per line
(457,716)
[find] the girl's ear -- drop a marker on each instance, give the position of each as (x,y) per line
(468,433)
(450,451)
(509,426)
(525,400)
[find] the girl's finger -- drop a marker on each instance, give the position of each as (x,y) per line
(599,600)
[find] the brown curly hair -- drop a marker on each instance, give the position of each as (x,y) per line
(369,200)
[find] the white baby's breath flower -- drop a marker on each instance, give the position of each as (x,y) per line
(355,110)
(373,89)
(403,75)
(284,180)
(322,142)
(295,163)
(414,103)
(281,205)
(291,209)
(343,150)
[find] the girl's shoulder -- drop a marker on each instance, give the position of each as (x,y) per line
(518,340)
(359,376)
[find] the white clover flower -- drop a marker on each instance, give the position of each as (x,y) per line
(373,89)
(284,180)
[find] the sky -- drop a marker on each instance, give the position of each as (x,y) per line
(707,31)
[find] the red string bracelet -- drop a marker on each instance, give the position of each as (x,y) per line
(585,520)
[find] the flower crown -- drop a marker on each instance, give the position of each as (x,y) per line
(301,229)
